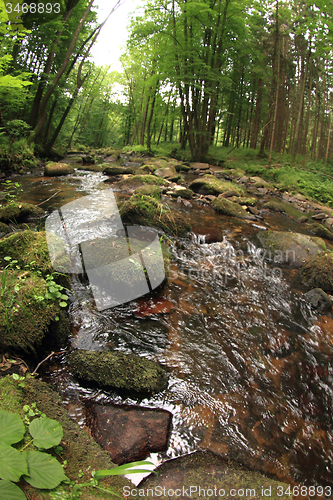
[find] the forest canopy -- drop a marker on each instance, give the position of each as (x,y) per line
(233,73)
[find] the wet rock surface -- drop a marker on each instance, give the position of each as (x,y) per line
(292,249)
(209,475)
(57,169)
(127,372)
(129,433)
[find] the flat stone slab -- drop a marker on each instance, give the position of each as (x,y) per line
(129,433)
(205,475)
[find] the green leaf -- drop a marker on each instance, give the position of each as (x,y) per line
(9,491)
(12,463)
(46,432)
(45,471)
(63,304)
(11,428)
(124,469)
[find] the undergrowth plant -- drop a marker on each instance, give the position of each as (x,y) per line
(31,463)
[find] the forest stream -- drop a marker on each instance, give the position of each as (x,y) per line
(250,363)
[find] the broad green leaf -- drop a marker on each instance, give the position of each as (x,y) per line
(46,432)
(9,491)
(45,471)
(12,463)
(11,428)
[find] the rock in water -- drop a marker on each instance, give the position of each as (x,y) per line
(127,372)
(129,433)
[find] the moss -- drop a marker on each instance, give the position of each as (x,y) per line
(4,228)
(322,231)
(136,181)
(289,248)
(127,372)
(57,169)
(115,170)
(318,272)
(30,248)
(226,207)
(187,194)
(19,212)
(148,211)
(149,190)
(147,169)
(209,184)
(92,168)
(25,314)
(275,206)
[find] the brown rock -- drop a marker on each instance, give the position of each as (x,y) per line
(320,216)
(129,433)
(200,166)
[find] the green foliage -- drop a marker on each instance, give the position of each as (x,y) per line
(38,468)
(11,189)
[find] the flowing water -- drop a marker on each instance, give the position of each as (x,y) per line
(251,367)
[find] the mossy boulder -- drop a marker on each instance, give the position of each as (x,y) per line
(148,211)
(19,212)
(91,168)
(318,272)
(127,372)
(149,190)
(322,231)
(292,249)
(275,206)
(146,169)
(4,228)
(187,194)
(57,169)
(226,207)
(209,184)
(25,314)
(115,170)
(30,248)
(136,181)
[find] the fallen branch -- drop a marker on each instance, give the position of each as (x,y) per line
(41,203)
(43,361)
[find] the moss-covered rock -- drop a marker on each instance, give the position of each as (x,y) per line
(127,372)
(19,212)
(57,169)
(148,211)
(187,194)
(146,169)
(209,184)
(322,231)
(92,168)
(275,206)
(149,190)
(136,181)
(318,272)
(115,170)
(25,314)
(292,249)
(226,207)
(30,248)
(4,228)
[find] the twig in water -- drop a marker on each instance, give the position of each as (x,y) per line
(43,361)
(41,203)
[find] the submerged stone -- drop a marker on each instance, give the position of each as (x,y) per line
(292,249)
(127,372)
(129,433)
(318,299)
(57,169)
